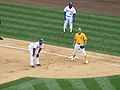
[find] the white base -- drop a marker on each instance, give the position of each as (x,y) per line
(72,57)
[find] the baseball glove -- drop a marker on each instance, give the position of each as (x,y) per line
(82,46)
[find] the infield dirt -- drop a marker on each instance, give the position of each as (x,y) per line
(14,64)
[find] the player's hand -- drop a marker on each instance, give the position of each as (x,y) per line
(73,20)
(64,18)
(37,55)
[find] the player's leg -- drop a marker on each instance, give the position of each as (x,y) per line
(70,24)
(65,24)
(84,54)
(76,47)
(31,57)
(37,60)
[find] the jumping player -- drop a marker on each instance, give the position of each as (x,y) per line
(80,41)
(34,49)
(69,16)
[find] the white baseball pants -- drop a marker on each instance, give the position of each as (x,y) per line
(77,47)
(70,20)
(32,57)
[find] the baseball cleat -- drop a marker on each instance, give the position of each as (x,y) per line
(63,32)
(32,66)
(38,65)
(72,59)
(71,32)
(1,38)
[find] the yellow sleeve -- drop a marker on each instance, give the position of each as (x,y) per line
(85,37)
(75,36)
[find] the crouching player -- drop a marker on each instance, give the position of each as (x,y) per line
(34,49)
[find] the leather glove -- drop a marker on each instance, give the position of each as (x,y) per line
(82,46)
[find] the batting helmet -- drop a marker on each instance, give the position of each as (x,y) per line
(41,41)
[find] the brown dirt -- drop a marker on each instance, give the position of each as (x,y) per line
(110,7)
(14,63)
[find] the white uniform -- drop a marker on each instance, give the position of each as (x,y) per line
(77,47)
(69,17)
(36,46)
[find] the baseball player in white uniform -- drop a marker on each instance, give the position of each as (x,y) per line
(34,49)
(69,16)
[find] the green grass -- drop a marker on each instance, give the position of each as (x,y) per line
(29,23)
(98,83)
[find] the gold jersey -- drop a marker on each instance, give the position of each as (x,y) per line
(80,39)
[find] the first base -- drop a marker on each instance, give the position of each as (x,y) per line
(72,57)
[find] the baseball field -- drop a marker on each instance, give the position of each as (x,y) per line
(25,21)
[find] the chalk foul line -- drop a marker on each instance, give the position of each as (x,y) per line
(24,49)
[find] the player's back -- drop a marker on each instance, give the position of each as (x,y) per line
(34,45)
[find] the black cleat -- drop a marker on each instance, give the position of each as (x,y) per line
(1,38)
(32,66)
(38,65)
(63,32)
(71,32)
